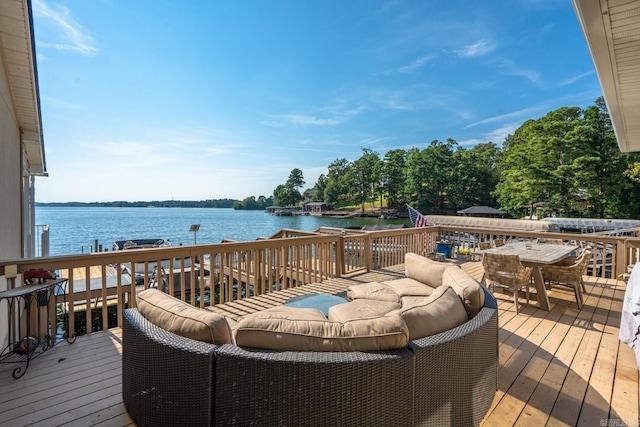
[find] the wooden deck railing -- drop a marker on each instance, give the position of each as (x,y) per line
(229,271)
(610,258)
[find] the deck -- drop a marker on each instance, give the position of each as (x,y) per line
(561,367)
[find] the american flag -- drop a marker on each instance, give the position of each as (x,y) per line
(417,219)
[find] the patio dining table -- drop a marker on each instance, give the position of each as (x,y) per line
(536,255)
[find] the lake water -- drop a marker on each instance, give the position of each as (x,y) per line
(74,230)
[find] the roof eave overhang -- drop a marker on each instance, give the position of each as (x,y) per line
(18,49)
(612,36)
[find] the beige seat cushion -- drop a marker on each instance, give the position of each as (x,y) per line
(291,313)
(182,319)
(361,309)
(441,311)
(410,300)
(405,287)
(278,331)
(423,269)
(373,290)
(466,287)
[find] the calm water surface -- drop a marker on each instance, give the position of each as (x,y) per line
(74,230)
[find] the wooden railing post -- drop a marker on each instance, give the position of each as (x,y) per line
(368,251)
(622,258)
(340,260)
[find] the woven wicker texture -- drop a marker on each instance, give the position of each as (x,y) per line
(313,389)
(456,371)
(484,245)
(544,240)
(508,271)
(570,273)
(167,380)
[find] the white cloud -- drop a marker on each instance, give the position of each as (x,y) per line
(509,67)
(526,112)
(299,120)
(479,48)
(330,116)
(497,136)
(418,63)
(74,37)
(574,79)
(394,100)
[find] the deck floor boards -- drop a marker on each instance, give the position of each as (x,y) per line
(559,367)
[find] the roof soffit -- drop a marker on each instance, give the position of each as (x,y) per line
(18,54)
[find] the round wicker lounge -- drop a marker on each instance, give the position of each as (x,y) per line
(445,379)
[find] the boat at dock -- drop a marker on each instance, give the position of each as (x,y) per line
(120,245)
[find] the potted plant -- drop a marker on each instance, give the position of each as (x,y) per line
(464,254)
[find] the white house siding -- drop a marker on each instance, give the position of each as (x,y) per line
(10,186)
(10,175)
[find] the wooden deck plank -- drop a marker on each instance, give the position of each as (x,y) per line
(537,358)
(567,359)
(625,399)
(561,367)
(597,401)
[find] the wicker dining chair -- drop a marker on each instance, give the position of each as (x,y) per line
(484,245)
(498,242)
(544,240)
(507,271)
(481,247)
(570,275)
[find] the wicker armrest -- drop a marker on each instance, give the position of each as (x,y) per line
(568,273)
(166,379)
(466,360)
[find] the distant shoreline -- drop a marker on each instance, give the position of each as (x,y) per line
(218,203)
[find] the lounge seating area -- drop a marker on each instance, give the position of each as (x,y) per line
(416,350)
(555,367)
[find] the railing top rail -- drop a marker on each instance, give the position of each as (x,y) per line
(524,233)
(113,257)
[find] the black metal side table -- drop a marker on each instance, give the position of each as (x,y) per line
(24,348)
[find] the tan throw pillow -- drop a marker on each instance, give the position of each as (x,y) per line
(423,269)
(406,287)
(373,290)
(361,309)
(441,311)
(268,330)
(466,287)
(182,319)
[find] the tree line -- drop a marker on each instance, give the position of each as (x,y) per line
(213,203)
(568,162)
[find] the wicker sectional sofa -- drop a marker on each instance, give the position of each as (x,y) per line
(290,367)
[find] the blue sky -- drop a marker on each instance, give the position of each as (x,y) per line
(190,100)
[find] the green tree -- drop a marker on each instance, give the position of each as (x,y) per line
(417,174)
(321,185)
(287,194)
(600,164)
(363,172)
(430,173)
(394,176)
(475,176)
(296,180)
(338,183)
(570,159)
